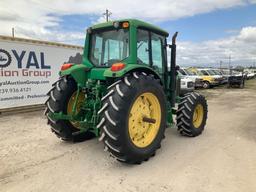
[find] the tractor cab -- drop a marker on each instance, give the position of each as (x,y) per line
(115,48)
(126,41)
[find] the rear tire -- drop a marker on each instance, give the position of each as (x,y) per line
(187,123)
(117,111)
(57,102)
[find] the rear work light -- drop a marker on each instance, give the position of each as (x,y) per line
(66,66)
(117,66)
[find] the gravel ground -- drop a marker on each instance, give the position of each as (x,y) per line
(221,159)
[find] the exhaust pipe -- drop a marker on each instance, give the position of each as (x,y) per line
(173,70)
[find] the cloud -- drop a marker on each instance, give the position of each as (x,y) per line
(40,19)
(241,48)
(248,35)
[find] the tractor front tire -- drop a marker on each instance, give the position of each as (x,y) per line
(192,114)
(133,118)
(59,97)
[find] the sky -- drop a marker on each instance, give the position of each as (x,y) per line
(210,31)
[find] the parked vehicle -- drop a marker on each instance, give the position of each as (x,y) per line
(236,79)
(225,73)
(219,74)
(187,85)
(208,80)
(250,74)
(210,72)
(198,81)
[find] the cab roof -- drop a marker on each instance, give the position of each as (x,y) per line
(133,22)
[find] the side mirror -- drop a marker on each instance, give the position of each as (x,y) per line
(177,67)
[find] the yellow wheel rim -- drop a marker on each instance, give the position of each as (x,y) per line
(142,132)
(71,103)
(198,115)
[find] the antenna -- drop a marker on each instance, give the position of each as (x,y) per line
(107,14)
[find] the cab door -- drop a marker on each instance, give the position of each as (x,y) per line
(151,51)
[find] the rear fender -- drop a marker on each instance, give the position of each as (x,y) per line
(130,69)
(79,72)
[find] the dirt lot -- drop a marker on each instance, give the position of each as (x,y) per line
(222,159)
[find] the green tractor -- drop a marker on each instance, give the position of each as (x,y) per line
(124,92)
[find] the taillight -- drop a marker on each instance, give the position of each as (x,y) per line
(117,66)
(66,66)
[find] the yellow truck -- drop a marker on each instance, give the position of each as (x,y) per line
(208,79)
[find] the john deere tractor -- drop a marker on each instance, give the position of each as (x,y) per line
(124,92)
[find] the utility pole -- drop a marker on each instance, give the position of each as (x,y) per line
(107,14)
(13,32)
(229,61)
(220,64)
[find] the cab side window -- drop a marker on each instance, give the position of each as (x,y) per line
(157,52)
(143,47)
(150,49)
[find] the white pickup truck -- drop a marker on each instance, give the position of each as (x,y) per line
(186,85)
(198,81)
(250,74)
